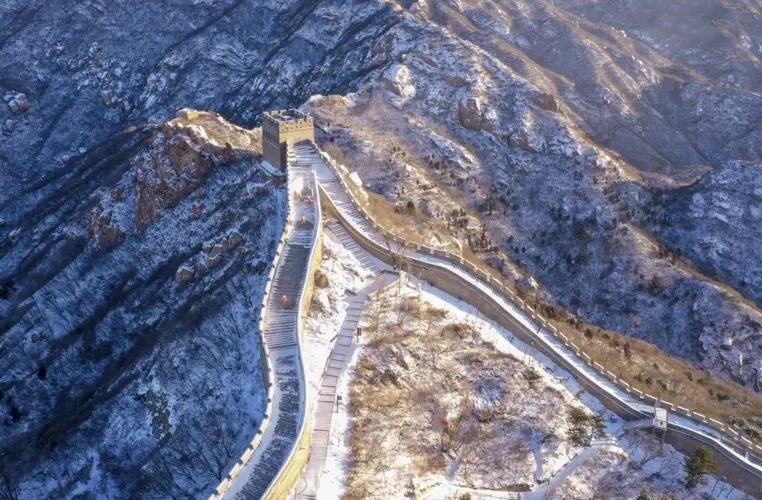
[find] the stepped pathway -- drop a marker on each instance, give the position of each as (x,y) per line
(342,351)
(280,334)
(368,261)
(306,488)
(562,354)
(330,183)
(638,424)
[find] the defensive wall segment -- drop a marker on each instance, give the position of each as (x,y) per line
(738,458)
(273,462)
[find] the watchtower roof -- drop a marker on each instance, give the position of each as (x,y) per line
(286,115)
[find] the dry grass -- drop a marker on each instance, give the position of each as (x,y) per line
(225,132)
(645,367)
(413,226)
(674,380)
(414,404)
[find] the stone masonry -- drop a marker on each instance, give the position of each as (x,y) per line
(280,128)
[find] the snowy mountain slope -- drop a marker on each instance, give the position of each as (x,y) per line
(129,353)
(457,124)
(89,69)
(571,113)
(574,121)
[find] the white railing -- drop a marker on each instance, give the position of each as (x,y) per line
(726,436)
(268,371)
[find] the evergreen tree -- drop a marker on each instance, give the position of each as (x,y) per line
(701,462)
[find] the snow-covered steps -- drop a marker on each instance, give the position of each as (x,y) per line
(326,398)
(282,314)
(363,257)
(638,424)
(286,423)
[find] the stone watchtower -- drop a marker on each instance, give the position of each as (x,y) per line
(280,128)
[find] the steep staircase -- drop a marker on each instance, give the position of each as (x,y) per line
(280,331)
(639,424)
(357,251)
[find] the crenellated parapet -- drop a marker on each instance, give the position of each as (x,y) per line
(281,128)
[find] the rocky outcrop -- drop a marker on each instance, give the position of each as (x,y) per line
(470,113)
(106,234)
(17,102)
(474,115)
(211,255)
(179,160)
(546,101)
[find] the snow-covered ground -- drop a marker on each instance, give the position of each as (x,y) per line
(628,464)
(329,305)
(327,177)
(340,280)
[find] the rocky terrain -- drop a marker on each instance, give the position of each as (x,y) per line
(129,353)
(609,150)
(590,178)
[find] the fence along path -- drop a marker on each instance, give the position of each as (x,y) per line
(306,488)
(280,331)
(613,392)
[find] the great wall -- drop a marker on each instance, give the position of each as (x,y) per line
(275,459)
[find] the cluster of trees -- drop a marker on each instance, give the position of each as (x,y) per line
(699,464)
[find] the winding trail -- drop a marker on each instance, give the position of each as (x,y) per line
(740,457)
(281,333)
(361,235)
(307,486)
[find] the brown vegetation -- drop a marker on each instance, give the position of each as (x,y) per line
(430,394)
(630,359)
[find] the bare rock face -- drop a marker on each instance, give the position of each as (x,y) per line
(17,102)
(100,227)
(178,162)
(184,274)
(471,114)
(455,80)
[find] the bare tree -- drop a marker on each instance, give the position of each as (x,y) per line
(11,478)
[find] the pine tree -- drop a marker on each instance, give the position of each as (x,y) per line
(701,462)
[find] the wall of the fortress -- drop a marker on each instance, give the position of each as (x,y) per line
(735,471)
(276,134)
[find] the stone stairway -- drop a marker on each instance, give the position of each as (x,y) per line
(326,399)
(638,424)
(280,322)
(357,251)
(280,334)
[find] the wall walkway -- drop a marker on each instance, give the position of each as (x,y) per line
(260,470)
(738,457)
